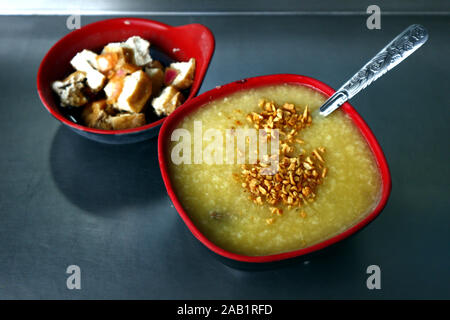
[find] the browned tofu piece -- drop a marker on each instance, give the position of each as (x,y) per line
(180,74)
(127,69)
(139,48)
(95,115)
(136,90)
(100,115)
(86,62)
(169,99)
(157,77)
(113,58)
(71,90)
(113,89)
(126,121)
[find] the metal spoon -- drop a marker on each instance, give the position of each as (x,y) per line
(395,52)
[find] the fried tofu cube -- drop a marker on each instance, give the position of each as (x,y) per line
(139,47)
(86,61)
(169,99)
(114,58)
(157,77)
(126,69)
(137,89)
(100,115)
(89,56)
(95,115)
(126,121)
(180,74)
(107,61)
(70,90)
(113,89)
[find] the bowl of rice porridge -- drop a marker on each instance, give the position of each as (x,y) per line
(258,175)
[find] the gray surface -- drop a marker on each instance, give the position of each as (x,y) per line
(65,200)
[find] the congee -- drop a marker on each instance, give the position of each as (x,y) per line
(316,177)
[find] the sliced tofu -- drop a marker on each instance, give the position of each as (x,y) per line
(157,77)
(126,69)
(141,49)
(138,46)
(86,61)
(126,121)
(95,115)
(180,74)
(114,88)
(106,62)
(90,57)
(70,90)
(113,57)
(169,99)
(137,89)
(100,115)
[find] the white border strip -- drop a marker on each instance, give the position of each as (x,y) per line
(50,12)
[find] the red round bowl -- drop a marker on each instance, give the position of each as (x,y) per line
(225,90)
(191,41)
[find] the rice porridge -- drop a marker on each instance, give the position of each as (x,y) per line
(327,178)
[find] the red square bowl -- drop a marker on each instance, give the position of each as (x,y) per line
(189,41)
(171,123)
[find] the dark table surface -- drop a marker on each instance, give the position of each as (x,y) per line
(65,200)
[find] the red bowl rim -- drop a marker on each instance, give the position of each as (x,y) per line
(159,25)
(254,82)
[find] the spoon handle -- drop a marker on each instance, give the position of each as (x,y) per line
(395,52)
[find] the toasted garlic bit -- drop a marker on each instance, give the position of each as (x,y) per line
(297,179)
(324,172)
(276,211)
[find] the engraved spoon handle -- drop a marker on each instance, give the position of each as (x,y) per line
(395,52)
